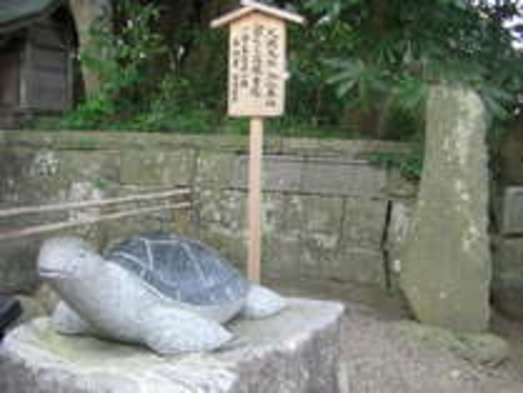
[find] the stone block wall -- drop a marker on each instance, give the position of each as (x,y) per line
(507,281)
(328,214)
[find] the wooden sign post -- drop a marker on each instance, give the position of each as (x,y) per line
(257,75)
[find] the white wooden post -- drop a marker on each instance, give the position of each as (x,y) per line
(254,209)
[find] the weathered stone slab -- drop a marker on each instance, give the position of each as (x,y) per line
(364,222)
(280,173)
(215,168)
(281,256)
(93,166)
(507,280)
(294,352)
(43,178)
(343,177)
(333,176)
(322,213)
(512,212)
(283,227)
(361,266)
(14,164)
(446,266)
(142,168)
(17,266)
(284,214)
(353,149)
(94,140)
(180,168)
(225,207)
(156,167)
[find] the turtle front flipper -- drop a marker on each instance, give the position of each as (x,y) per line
(67,321)
(171,331)
(262,302)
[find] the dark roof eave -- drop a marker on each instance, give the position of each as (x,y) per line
(23,22)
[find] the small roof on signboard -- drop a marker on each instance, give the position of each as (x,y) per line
(250,6)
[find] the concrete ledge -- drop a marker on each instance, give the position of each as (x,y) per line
(296,351)
(100,140)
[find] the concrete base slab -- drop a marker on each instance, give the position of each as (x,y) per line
(296,351)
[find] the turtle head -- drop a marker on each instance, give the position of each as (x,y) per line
(67,258)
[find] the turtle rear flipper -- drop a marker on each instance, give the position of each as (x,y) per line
(262,302)
(173,331)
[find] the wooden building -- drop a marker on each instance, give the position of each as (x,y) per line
(37,46)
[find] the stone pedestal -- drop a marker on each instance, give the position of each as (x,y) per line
(296,351)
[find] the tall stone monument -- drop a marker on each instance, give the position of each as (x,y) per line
(446,265)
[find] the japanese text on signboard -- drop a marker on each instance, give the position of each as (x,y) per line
(257,67)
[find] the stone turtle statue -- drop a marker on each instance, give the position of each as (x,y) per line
(169,293)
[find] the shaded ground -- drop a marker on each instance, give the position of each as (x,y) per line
(379,359)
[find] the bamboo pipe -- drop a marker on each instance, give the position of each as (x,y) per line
(41,229)
(86,204)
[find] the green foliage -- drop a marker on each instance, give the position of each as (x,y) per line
(122,56)
(397,48)
(310,99)
(409,164)
(91,114)
(360,68)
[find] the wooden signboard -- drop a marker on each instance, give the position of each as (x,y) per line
(257,71)
(257,76)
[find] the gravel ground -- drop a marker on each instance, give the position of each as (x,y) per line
(379,359)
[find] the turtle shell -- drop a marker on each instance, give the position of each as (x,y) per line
(182,269)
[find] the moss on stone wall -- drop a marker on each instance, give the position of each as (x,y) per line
(326,208)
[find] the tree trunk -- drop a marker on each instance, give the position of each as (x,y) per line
(86,13)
